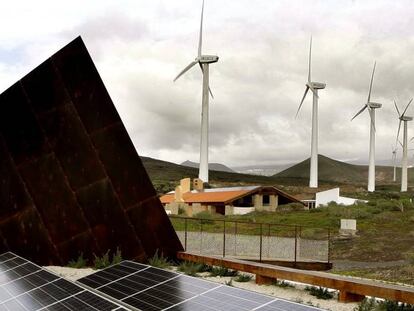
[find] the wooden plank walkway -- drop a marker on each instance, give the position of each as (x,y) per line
(350,289)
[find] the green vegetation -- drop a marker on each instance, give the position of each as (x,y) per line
(102,262)
(159,261)
(374,305)
(229,283)
(78,263)
(243,278)
(222,272)
(282,284)
(192,269)
(319,292)
(117,257)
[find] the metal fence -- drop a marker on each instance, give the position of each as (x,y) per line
(253,241)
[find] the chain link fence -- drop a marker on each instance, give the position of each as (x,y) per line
(253,241)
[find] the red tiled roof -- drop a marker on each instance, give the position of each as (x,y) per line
(206,197)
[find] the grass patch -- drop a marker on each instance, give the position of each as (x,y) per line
(223,271)
(243,278)
(282,284)
(102,262)
(319,292)
(192,269)
(159,261)
(79,263)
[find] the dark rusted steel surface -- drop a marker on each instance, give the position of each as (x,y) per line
(71,180)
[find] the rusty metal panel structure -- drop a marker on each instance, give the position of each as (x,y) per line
(71,180)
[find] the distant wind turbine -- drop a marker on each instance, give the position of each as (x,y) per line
(403,118)
(394,162)
(204,61)
(371,106)
(314,87)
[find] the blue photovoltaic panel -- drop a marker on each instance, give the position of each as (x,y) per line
(147,288)
(25,286)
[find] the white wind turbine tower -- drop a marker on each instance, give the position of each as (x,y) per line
(371,106)
(314,87)
(394,162)
(204,61)
(403,118)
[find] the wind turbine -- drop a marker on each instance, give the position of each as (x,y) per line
(314,87)
(204,61)
(371,106)
(403,118)
(394,162)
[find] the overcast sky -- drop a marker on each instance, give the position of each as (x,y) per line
(140,46)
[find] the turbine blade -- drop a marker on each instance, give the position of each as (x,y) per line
(407,106)
(359,112)
(412,138)
(200,39)
(301,102)
(398,133)
(370,85)
(396,107)
(310,62)
(185,70)
(401,143)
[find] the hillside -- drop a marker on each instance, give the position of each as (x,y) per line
(331,170)
(166,175)
(212,166)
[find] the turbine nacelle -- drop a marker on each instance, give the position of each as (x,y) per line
(316,85)
(373,105)
(406,118)
(207,59)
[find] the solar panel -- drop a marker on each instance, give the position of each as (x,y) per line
(148,288)
(25,286)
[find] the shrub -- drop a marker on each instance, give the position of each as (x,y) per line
(207,217)
(191,268)
(319,292)
(223,271)
(366,305)
(389,205)
(78,263)
(243,278)
(282,284)
(159,261)
(102,262)
(229,283)
(117,257)
(181,211)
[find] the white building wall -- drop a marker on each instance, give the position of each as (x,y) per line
(324,197)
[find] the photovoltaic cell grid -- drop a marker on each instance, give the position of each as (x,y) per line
(25,286)
(148,288)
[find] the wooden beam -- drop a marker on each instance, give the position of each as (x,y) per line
(350,289)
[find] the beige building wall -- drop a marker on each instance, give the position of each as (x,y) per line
(271,207)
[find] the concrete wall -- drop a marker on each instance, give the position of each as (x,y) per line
(242,210)
(271,207)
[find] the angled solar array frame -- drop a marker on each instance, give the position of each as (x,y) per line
(26,286)
(142,287)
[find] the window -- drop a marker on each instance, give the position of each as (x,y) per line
(266,199)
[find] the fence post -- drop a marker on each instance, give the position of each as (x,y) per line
(329,245)
(201,236)
(261,241)
(235,238)
(296,243)
(224,238)
(185,234)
